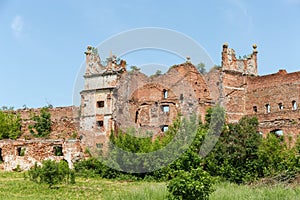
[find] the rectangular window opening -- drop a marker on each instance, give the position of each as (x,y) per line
(1,158)
(100,104)
(165,128)
(21,151)
(58,150)
(99,145)
(100,124)
(166,108)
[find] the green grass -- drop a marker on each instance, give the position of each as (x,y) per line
(230,191)
(13,186)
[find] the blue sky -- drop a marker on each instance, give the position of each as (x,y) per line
(42,42)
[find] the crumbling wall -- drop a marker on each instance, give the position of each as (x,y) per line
(152,103)
(22,154)
(234,95)
(274,99)
(65,122)
(246,65)
(213,80)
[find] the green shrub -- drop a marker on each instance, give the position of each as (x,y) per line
(52,173)
(10,125)
(275,157)
(42,123)
(193,185)
(94,167)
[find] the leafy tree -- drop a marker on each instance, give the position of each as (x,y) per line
(42,123)
(5,108)
(158,72)
(131,144)
(201,68)
(52,173)
(134,68)
(235,156)
(10,125)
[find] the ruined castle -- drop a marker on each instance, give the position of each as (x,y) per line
(115,99)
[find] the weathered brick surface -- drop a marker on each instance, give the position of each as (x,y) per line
(140,100)
(243,92)
(115,99)
(37,151)
(65,122)
(132,99)
(137,100)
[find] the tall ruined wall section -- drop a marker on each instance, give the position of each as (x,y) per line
(234,95)
(213,81)
(246,65)
(274,99)
(228,84)
(152,103)
(114,99)
(65,121)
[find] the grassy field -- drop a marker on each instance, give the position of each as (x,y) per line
(13,186)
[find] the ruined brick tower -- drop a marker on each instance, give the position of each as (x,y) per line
(234,80)
(96,99)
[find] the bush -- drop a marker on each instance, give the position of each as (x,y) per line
(275,157)
(52,173)
(94,167)
(10,125)
(193,185)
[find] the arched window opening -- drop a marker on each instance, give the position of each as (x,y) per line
(280,106)
(278,133)
(294,105)
(165,94)
(268,108)
(255,109)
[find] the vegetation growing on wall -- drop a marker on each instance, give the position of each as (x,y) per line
(42,123)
